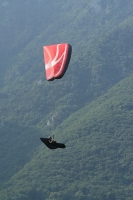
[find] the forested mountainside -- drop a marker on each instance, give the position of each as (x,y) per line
(97,162)
(101,36)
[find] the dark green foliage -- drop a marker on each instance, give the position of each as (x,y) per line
(15,137)
(97,163)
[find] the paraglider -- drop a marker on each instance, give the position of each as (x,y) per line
(51,144)
(56,60)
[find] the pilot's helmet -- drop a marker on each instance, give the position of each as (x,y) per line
(50,138)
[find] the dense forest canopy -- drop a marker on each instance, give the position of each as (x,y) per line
(92,102)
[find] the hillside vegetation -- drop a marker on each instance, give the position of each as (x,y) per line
(90,108)
(97,162)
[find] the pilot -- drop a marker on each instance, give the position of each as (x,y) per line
(50,139)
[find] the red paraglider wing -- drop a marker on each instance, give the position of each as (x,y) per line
(56,60)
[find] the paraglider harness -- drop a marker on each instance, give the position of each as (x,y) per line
(51,143)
